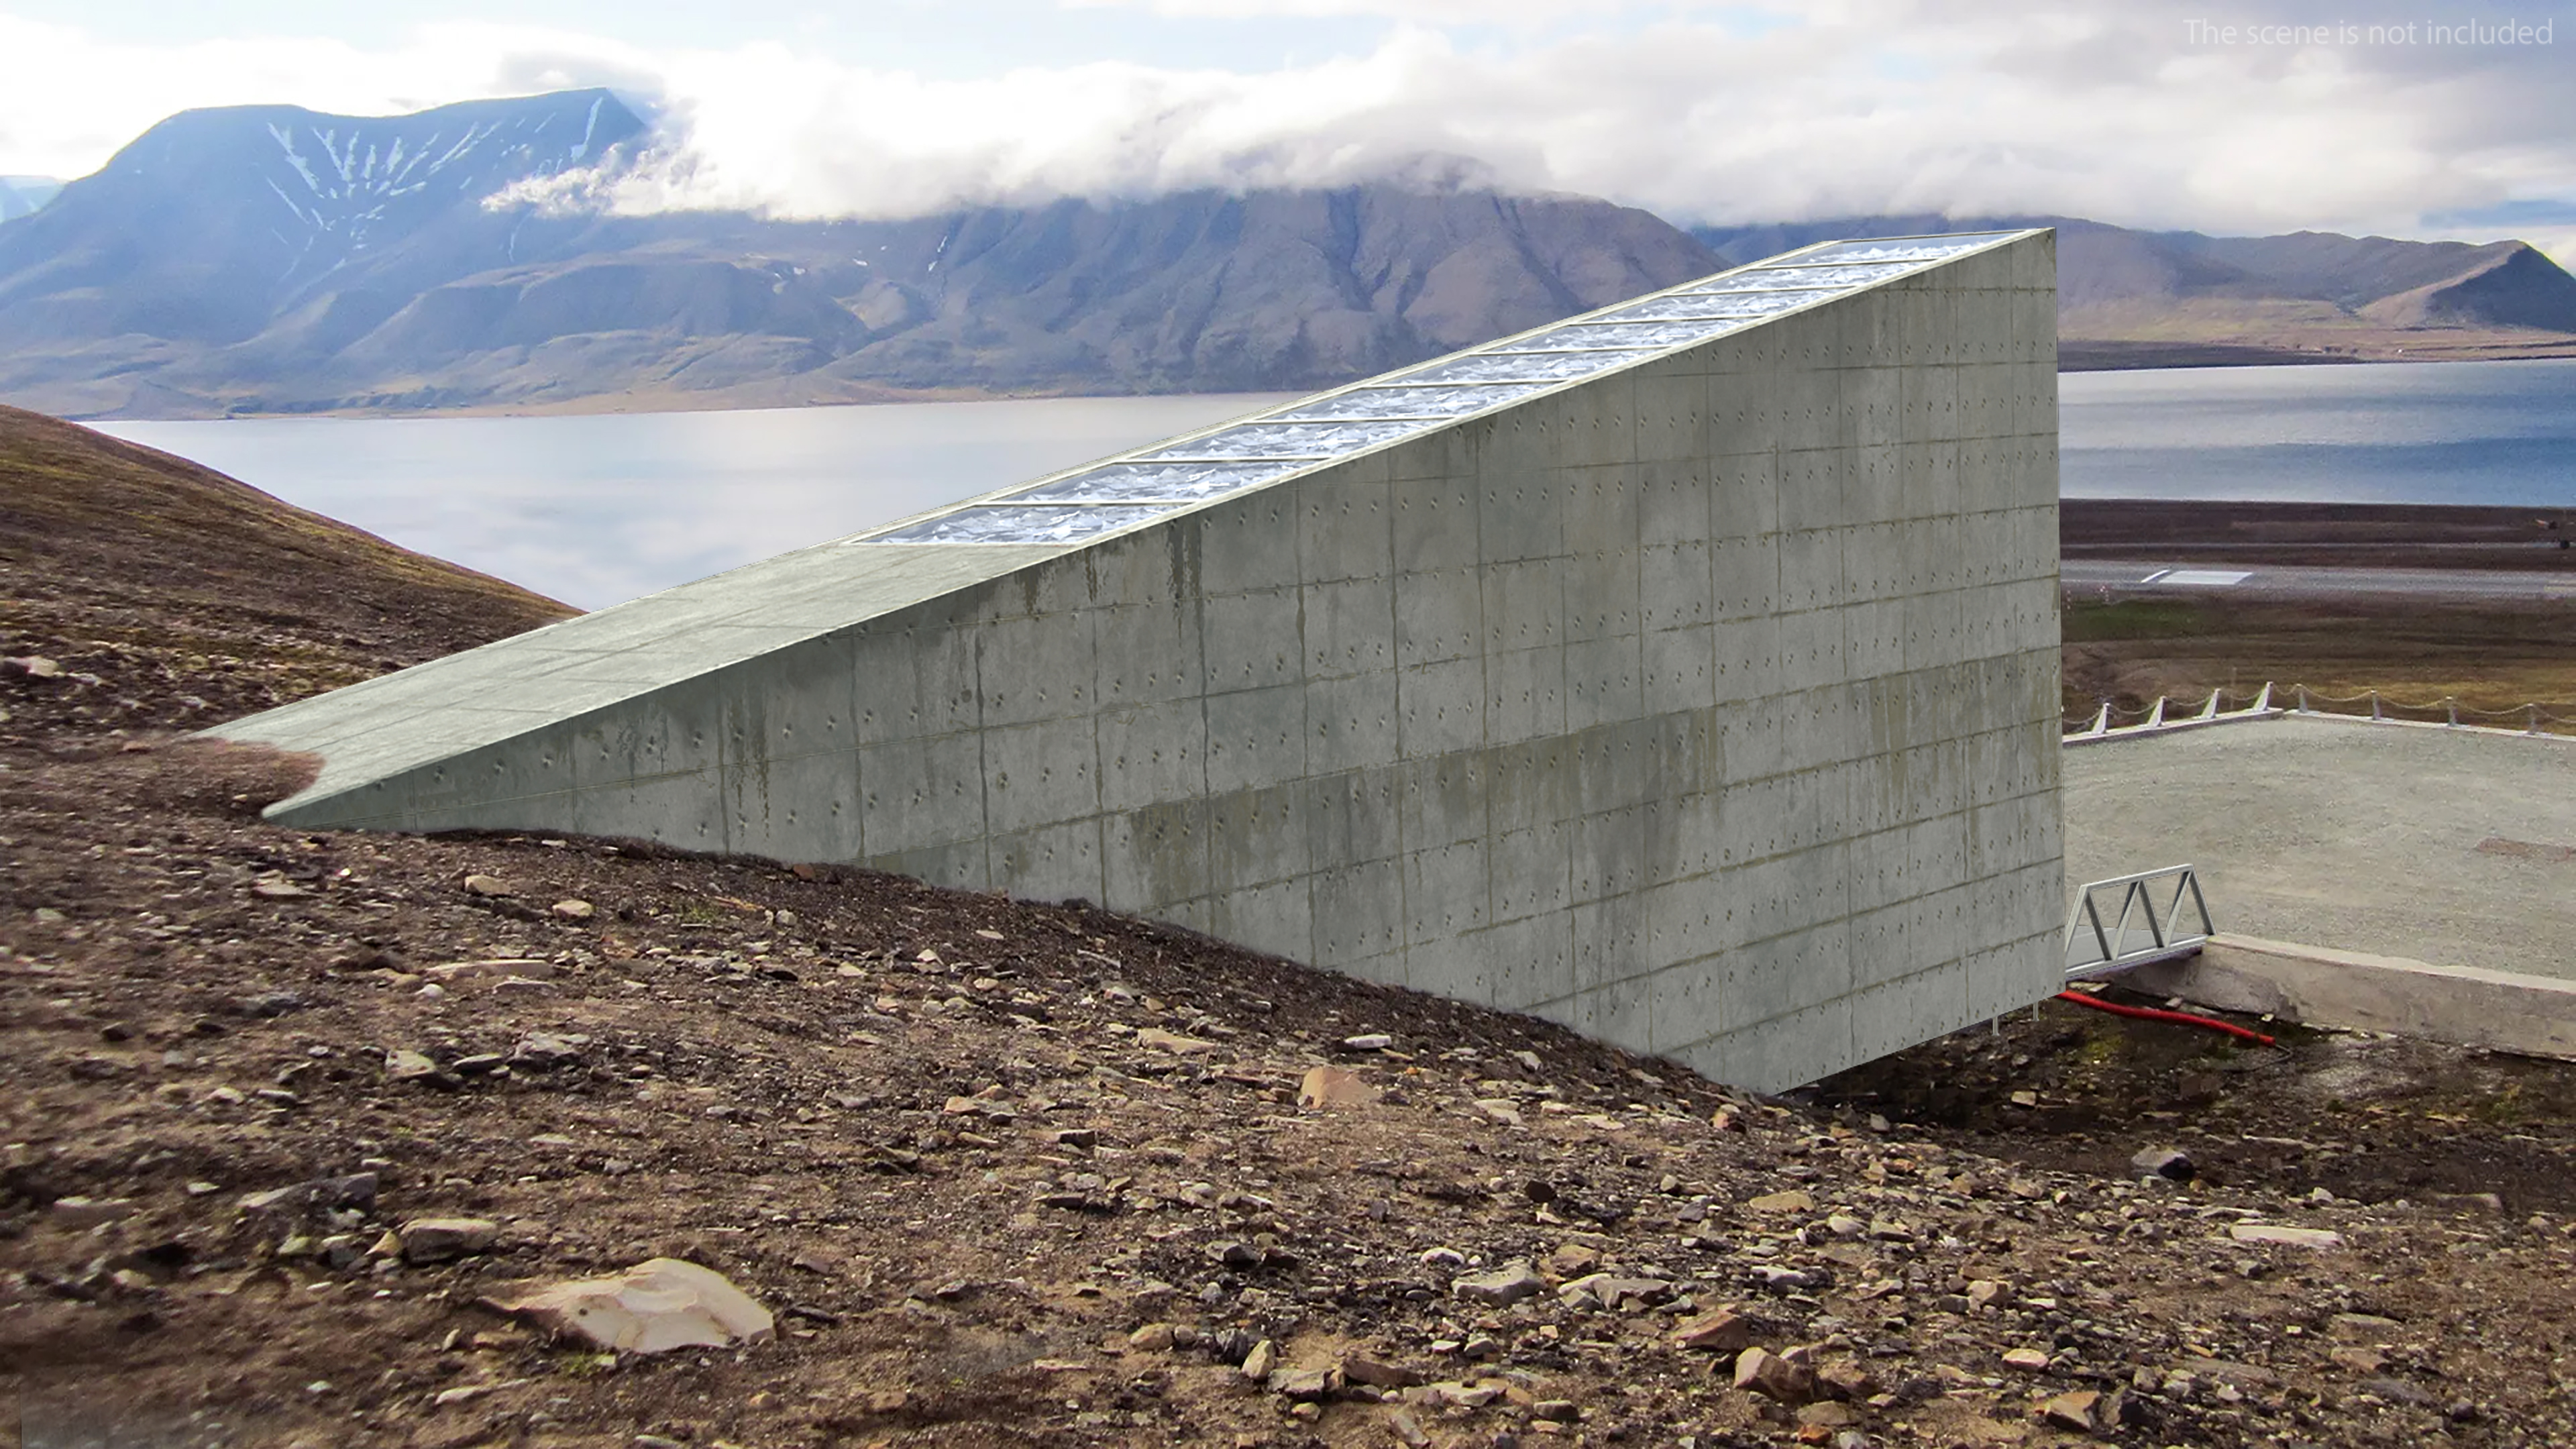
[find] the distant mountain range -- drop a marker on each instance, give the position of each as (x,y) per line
(21,195)
(270,259)
(2129,298)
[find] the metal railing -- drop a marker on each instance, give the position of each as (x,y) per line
(2156,721)
(2531,716)
(2148,923)
(2108,723)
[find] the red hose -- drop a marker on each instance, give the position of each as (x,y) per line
(2178,1018)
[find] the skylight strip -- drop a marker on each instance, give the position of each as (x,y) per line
(1623,335)
(1274,437)
(1439,401)
(1408,417)
(1172,481)
(1006,524)
(1903,249)
(1742,307)
(1527,367)
(1788,276)
(1185,456)
(1270,446)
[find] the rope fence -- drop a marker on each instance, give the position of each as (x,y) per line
(2534,718)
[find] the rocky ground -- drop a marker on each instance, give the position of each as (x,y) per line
(281,1113)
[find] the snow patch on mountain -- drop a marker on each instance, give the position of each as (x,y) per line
(350,185)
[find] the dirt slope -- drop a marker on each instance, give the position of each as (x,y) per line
(171,583)
(1022,1174)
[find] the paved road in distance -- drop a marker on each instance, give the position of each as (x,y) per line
(2130,579)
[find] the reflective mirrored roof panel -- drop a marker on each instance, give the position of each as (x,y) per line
(1621,334)
(1414,402)
(1002,523)
(1290,440)
(1136,482)
(1747,305)
(1908,249)
(1773,279)
(1154,481)
(1506,367)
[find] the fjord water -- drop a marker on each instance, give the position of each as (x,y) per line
(2399,432)
(596,509)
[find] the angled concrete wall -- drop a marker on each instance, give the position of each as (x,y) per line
(1709,706)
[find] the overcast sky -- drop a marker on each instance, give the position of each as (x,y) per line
(2141,113)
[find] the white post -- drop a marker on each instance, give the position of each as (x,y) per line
(2263,701)
(2210,710)
(2101,720)
(2155,716)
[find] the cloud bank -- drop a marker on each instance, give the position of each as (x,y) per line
(2140,114)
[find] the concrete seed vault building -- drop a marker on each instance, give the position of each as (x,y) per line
(1685,672)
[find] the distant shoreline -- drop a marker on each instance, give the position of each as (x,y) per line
(2331,535)
(2082,355)
(2073,356)
(2156,356)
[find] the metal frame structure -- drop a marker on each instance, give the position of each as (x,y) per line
(2096,949)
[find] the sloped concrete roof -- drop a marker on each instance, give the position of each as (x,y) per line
(465,702)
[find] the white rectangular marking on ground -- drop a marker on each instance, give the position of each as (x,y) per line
(2151,578)
(2205,578)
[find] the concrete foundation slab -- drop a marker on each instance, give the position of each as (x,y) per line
(2501,1011)
(2454,849)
